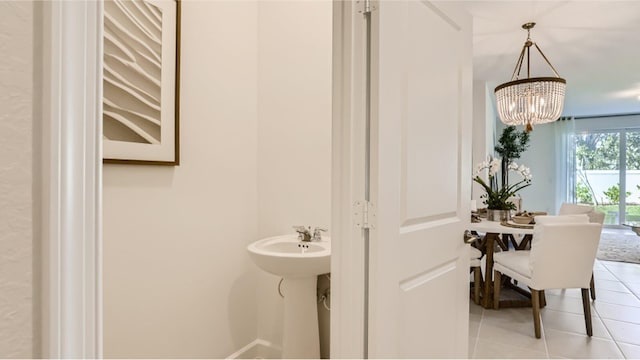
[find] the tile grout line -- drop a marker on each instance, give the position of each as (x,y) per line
(597,314)
(594,310)
(475,344)
(485,316)
(621,282)
(604,323)
(544,338)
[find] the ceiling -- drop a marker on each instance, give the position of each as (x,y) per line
(594,45)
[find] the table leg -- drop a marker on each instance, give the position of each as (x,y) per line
(487,299)
(526,240)
(503,242)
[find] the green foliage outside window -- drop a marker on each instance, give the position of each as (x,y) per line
(633,151)
(613,194)
(583,194)
(598,151)
(601,151)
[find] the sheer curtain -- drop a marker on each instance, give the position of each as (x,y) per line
(564,130)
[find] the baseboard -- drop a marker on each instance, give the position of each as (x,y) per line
(257,349)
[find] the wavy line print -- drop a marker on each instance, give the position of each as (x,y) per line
(132,71)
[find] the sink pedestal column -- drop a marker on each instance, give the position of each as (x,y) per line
(301,339)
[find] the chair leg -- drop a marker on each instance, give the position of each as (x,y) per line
(535,303)
(586,306)
(477,284)
(543,299)
(496,288)
(593,288)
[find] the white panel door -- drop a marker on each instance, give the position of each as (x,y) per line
(420,180)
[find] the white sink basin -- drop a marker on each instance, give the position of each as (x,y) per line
(288,257)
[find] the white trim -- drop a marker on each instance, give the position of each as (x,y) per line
(72,179)
(348,179)
(605,123)
(257,349)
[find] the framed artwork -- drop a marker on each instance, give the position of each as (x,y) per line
(141,82)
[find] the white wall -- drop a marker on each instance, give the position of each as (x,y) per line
(178,282)
(294,130)
(541,158)
(484,129)
(294,112)
(17,209)
(255,160)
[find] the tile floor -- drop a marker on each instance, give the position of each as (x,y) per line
(508,333)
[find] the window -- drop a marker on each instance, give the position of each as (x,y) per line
(607,173)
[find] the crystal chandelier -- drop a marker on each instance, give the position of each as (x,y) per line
(530,101)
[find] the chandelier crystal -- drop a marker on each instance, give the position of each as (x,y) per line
(530,101)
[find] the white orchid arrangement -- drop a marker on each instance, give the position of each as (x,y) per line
(496,197)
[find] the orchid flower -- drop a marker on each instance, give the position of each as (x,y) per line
(497,197)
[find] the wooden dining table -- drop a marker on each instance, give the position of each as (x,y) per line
(502,236)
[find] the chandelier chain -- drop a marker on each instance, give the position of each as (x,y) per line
(547,60)
(516,70)
(526,48)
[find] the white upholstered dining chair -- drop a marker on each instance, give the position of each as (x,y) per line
(561,257)
(594,217)
(475,263)
(574,209)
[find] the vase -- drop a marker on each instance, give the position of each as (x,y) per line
(498,215)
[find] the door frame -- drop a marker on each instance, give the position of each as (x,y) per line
(72,323)
(349,317)
(70,75)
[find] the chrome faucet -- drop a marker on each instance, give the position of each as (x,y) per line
(305,234)
(317,234)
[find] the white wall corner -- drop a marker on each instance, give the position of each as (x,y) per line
(294,134)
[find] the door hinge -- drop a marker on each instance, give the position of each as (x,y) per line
(364,213)
(365,6)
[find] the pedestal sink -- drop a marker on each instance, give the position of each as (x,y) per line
(299,263)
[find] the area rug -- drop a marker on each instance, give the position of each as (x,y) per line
(619,245)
